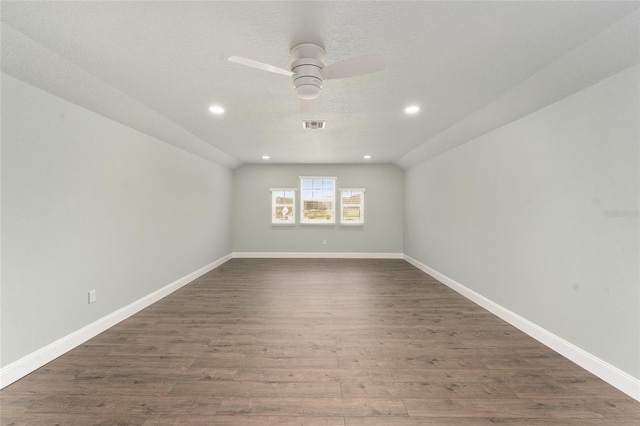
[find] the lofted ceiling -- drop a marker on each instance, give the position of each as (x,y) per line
(471,66)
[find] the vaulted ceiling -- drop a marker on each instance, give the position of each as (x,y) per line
(470,66)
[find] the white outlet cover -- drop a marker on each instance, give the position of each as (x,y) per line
(92,296)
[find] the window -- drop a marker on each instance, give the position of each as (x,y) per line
(352,206)
(283,202)
(317,199)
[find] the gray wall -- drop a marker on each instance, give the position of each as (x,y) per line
(381,233)
(524,216)
(88,203)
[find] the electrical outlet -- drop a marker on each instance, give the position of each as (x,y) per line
(324,241)
(92,296)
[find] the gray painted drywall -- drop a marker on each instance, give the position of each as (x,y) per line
(381,233)
(88,203)
(524,215)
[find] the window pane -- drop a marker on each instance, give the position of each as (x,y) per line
(317,210)
(284,200)
(284,212)
(282,206)
(318,197)
(349,197)
(352,206)
(351,214)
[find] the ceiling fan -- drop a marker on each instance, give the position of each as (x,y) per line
(308,71)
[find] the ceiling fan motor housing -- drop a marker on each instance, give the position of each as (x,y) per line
(307,63)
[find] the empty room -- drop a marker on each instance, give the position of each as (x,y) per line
(320,213)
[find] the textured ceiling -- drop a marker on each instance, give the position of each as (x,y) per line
(471,66)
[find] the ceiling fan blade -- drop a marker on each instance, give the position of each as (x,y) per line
(307,105)
(259,65)
(353,67)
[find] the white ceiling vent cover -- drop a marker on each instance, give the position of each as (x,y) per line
(314,124)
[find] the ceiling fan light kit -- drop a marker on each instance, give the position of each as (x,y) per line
(308,70)
(307,87)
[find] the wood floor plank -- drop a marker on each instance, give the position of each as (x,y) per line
(74,419)
(313,406)
(425,361)
(364,389)
(475,421)
(105,406)
(242,420)
(264,362)
(258,389)
(320,342)
(312,374)
(559,408)
(416,421)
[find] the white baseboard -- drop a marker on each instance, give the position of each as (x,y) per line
(314,255)
(37,359)
(607,372)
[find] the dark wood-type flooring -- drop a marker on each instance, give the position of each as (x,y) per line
(314,342)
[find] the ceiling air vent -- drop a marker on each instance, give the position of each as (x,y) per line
(314,124)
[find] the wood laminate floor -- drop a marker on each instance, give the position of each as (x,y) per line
(314,342)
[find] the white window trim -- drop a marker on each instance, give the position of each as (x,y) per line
(361,205)
(331,222)
(318,177)
(279,222)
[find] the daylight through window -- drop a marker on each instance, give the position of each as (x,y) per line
(352,206)
(283,201)
(317,199)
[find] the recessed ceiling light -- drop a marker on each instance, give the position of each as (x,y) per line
(265,157)
(367,157)
(413,109)
(216,109)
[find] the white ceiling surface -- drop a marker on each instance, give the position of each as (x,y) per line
(471,66)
